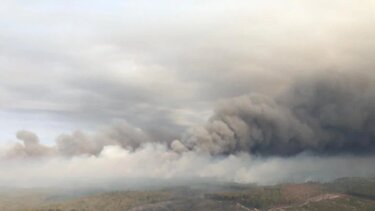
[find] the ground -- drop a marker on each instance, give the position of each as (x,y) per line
(342,194)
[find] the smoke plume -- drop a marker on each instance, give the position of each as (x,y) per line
(30,146)
(120,134)
(78,143)
(330,115)
(318,129)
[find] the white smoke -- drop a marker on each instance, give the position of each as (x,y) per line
(156,161)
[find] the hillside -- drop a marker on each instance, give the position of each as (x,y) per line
(342,194)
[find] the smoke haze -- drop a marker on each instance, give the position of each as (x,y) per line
(242,91)
(319,129)
(114,163)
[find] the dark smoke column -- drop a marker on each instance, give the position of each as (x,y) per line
(329,115)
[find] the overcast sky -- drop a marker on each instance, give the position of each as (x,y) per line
(163,65)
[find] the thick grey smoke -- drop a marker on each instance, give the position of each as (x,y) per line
(327,124)
(335,114)
(330,115)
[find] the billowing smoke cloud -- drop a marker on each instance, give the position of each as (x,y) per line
(328,115)
(318,129)
(121,134)
(30,146)
(78,143)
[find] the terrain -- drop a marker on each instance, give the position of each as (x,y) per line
(341,194)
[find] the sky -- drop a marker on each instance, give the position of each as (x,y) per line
(150,71)
(160,64)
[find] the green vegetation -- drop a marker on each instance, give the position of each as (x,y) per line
(343,194)
(259,197)
(109,201)
(360,187)
(341,204)
(267,197)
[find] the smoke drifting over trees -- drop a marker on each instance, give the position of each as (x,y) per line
(314,125)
